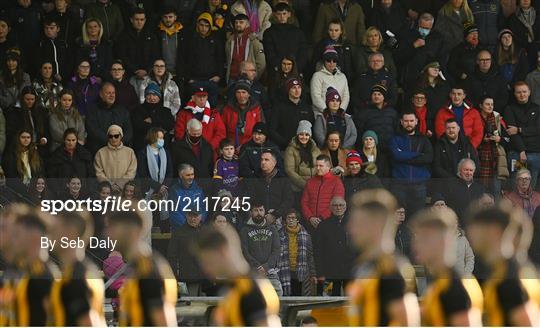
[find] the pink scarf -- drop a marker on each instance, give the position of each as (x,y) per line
(252,11)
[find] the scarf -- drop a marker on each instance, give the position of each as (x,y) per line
(252,11)
(342,14)
(305,154)
(527,17)
(293,246)
(303,262)
(526,199)
(156,173)
(202,114)
(421,113)
(170,31)
(487,153)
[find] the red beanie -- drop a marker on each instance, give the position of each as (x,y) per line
(353,156)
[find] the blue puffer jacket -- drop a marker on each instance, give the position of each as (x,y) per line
(412,156)
(184,201)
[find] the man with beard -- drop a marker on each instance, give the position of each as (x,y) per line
(148,296)
(172,40)
(462,59)
(412,155)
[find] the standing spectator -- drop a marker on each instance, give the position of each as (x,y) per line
(490,149)
(319,191)
(376,73)
(12,79)
(489,18)
(53,50)
(524,196)
(464,113)
(390,17)
(523,24)
(227,169)
(164,80)
(137,46)
(288,112)
(205,60)
(261,245)
(300,157)
(335,258)
(349,12)
(219,9)
(94,47)
(435,86)
(412,155)
(296,265)
(47,87)
(109,14)
(486,80)
(115,162)
(25,16)
(533,81)
(403,233)
(258,12)
(125,93)
(378,116)
(68,17)
(241,46)
(286,70)
(284,39)
(63,117)
(524,130)
(185,191)
(250,153)
(6,38)
(360,175)
(328,76)
(345,51)
(373,42)
(462,61)
(338,155)
(194,150)
(425,115)
(450,149)
(150,114)
(334,118)
(373,155)
(451,19)
(172,38)
(85,87)
(462,190)
(248,71)
(241,114)
(512,61)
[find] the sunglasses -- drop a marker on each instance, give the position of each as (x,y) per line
(115,136)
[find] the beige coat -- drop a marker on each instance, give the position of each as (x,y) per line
(116,165)
(298,172)
(254,53)
(354,22)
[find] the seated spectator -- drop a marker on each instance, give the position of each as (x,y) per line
(73,190)
(338,155)
(524,127)
(462,61)
(451,19)
(350,13)
(250,153)
(194,150)
(464,113)
(169,89)
(227,169)
(462,190)
(173,37)
(486,80)
(523,24)
(270,187)
(47,87)
(373,42)
(378,116)
(334,118)
(376,74)
(69,159)
(288,112)
(373,155)
(328,76)
(511,60)
(300,157)
(261,245)
(94,47)
(150,114)
(185,191)
(286,70)
(110,15)
(335,39)
(85,87)
(335,257)
(524,196)
(6,39)
(241,114)
(53,50)
(104,114)
(23,162)
(12,78)
(63,117)
(38,190)
(199,108)
(359,176)
(424,114)
(125,93)
(403,233)
(296,265)
(259,19)
(450,149)
(319,191)
(115,162)
(390,17)
(433,83)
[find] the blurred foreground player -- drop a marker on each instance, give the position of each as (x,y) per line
(251,300)
(382,293)
(451,300)
(500,237)
(77,298)
(148,296)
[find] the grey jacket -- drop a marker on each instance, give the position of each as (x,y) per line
(261,245)
(533,81)
(319,131)
(59,123)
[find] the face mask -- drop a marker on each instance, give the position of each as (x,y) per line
(160,143)
(423,31)
(194,139)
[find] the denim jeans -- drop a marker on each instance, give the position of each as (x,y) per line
(533,164)
(274,280)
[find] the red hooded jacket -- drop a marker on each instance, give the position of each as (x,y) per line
(318,193)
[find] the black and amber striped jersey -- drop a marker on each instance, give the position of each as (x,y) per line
(149,284)
(247,300)
(8,283)
(508,287)
(449,294)
(377,284)
(79,291)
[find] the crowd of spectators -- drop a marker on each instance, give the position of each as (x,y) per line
(294,105)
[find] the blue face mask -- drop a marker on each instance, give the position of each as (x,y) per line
(160,143)
(423,31)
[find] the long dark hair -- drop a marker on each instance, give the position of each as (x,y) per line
(306,155)
(32,192)
(33,155)
(17,78)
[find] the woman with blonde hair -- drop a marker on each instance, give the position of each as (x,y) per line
(373,42)
(450,21)
(94,48)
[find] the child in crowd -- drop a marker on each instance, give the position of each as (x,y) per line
(227,168)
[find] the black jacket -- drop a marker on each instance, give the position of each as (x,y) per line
(125,95)
(346,54)
(459,196)
(491,83)
(70,24)
(383,121)
(366,80)
(285,118)
(143,173)
(520,31)
(104,57)
(447,156)
(335,259)
(182,152)
(161,117)
(250,158)
(18,118)
(58,53)
(281,40)
(61,166)
(362,181)
(462,60)
(137,50)
(525,117)
(183,262)
(205,57)
(436,95)
(98,121)
(274,194)
(393,20)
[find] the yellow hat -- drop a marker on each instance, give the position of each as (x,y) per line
(207,17)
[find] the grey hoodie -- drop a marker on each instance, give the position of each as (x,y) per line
(260,245)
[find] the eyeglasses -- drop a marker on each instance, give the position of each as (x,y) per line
(115,136)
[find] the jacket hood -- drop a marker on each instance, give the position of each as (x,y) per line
(327,72)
